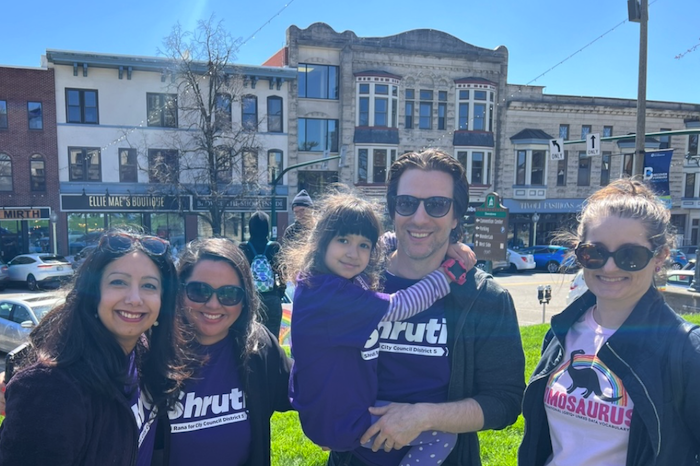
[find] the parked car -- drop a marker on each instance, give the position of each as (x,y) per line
(690,265)
(552,258)
(676,260)
(79,258)
(35,269)
(3,275)
(19,316)
(680,278)
(520,261)
(576,288)
(689,251)
(496,266)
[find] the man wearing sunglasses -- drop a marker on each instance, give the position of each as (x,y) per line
(458,366)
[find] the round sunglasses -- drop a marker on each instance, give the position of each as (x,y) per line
(435,206)
(123,242)
(228,295)
(630,258)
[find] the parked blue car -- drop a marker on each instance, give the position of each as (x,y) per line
(676,260)
(552,258)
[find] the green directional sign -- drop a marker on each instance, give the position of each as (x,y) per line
(491,230)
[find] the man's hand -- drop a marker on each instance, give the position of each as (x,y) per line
(399,424)
(464,253)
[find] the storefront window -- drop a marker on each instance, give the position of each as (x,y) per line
(170,227)
(125,220)
(84,230)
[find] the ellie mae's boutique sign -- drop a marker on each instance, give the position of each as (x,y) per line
(123,203)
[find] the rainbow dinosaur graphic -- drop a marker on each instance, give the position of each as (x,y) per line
(584,362)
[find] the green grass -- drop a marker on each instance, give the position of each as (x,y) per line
(498,448)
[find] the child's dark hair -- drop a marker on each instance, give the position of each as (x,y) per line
(336,215)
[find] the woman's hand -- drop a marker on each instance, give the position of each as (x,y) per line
(2,393)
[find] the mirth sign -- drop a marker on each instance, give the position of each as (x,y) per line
(123,203)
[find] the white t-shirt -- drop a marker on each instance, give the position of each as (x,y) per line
(588,409)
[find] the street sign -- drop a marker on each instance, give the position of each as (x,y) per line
(491,230)
(592,144)
(556,149)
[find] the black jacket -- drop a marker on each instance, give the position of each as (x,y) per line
(52,420)
(487,360)
(266,392)
(663,431)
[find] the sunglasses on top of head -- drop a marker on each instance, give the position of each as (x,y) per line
(630,258)
(228,295)
(435,206)
(123,242)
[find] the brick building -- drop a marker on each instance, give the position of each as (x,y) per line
(28,160)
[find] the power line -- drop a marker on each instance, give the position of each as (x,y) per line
(266,23)
(585,47)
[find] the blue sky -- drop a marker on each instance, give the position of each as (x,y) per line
(539,34)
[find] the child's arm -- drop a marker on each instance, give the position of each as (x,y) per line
(419,297)
(462,253)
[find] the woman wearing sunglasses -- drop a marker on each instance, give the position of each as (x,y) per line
(617,380)
(103,363)
(223,413)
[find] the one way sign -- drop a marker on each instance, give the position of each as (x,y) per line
(556,149)
(592,144)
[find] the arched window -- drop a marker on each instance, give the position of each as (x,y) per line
(37,173)
(5,172)
(249,113)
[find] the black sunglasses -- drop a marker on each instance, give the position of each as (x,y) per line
(228,295)
(122,242)
(630,258)
(435,206)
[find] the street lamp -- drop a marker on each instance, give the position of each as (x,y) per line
(54,218)
(535,219)
(278,178)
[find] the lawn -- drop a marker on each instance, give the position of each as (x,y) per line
(498,448)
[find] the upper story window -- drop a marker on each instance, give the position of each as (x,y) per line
(410,107)
(605,168)
(250,167)
(585,130)
(162,110)
(316,135)
(425,109)
(35,115)
(562,169)
(564,132)
(3,114)
(224,168)
(584,169)
(530,167)
(249,113)
(163,166)
(81,106)
(607,131)
(37,173)
(84,164)
(373,164)
(689,185)
(5,172)
(377,102)
(318,81)
(477,165)
(222,112)
(128,168)
(442,110)
(475,110)
(693,144)
(274,115)
(665,140)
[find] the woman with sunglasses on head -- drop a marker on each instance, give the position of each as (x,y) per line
(104,363)
(617,380)
(223,413)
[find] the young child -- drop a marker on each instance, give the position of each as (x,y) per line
(334,328)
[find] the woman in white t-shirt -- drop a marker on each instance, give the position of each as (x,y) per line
(617,381)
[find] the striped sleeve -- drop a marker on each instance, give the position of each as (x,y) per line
(417,298)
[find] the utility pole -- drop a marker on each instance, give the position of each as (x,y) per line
(638,11)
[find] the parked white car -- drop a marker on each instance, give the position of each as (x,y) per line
(577,288)
(19,316)
(35,269)
(520,262)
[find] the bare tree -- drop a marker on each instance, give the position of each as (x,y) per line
(212,156)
